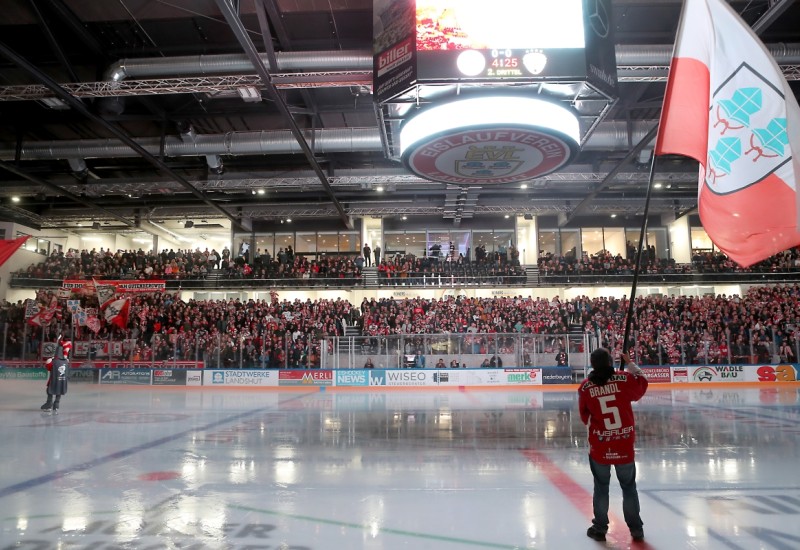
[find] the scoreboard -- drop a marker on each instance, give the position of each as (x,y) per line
(499,39)
(418,42)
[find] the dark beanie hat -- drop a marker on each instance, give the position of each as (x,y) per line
(600,358)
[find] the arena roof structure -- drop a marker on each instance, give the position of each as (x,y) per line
(116,112)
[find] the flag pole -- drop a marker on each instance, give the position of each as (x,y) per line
(638,262)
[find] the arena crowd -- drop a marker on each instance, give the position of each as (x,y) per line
(272,333)
(501,268)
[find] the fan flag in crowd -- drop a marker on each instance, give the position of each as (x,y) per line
(116,312)
(94,324)
(729,107)
(43,316)
(105,293)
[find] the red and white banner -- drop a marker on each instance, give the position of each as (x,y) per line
(729,107)
(88,287)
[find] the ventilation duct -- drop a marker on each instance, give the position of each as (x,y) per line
(608,136)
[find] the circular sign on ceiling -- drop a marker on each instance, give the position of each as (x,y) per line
(490,140)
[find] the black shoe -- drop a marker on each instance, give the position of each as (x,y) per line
(596,534)
(638,536)
(48,405)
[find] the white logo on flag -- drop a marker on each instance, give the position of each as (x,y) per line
(747,138)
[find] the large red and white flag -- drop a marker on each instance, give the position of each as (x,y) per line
(44,316)
(116,312)
(729,107)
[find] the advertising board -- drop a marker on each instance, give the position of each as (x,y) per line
(131,377)
(221,378)
(169,377)
(317,377)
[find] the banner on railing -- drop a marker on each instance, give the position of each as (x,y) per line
(121,286)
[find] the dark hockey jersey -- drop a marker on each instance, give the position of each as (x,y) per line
(59,377)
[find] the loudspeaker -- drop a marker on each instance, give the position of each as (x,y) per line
(528,216)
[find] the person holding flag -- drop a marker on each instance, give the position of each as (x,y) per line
(604,403)
(58,366)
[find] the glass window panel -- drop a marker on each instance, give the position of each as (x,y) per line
(30,244)
(614,240)
(284,240)
(395,243)
(591,240)
(658,239)
(414,243)
(328,242)
(569,243)
(483,245)
(503,240)
(241,244)
(306,243)
(463,242)
(349,243)
(483,238)
(266,243)
(547,242)
(374,238)
(438,245)
(701,240)
(631,243)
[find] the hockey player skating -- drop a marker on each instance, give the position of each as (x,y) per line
(58,365)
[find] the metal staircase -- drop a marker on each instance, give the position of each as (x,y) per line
(532,275)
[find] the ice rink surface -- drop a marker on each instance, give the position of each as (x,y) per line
(197,468)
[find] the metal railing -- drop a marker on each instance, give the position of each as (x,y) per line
(468,350)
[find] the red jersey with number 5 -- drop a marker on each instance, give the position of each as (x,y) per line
(607,411)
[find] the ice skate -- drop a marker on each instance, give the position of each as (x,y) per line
(48,405)
(56,405)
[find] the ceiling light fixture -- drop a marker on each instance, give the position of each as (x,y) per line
(15,199)
(249,94)
(54,103)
